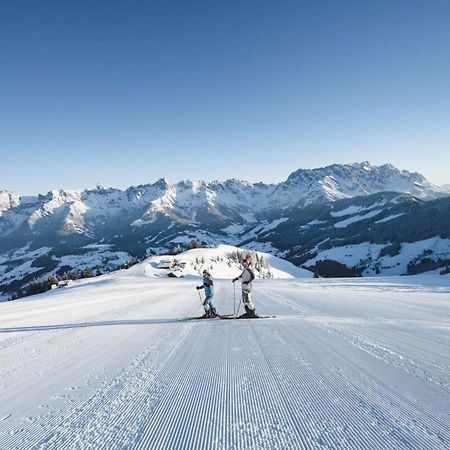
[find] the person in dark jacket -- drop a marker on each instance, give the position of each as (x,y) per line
(247,276)
(208,286)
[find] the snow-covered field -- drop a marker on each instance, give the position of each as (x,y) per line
(105,364)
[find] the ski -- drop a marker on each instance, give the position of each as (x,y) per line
(188,318)
(222,317)
(218,316)
(249,318)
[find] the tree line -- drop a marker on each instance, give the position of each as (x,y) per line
(39,286)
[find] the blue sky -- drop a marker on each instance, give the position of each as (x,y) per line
(125,92)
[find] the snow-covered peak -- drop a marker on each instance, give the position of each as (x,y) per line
(349,180)
(162,183)
(100,189)
(52,206)
(187,198)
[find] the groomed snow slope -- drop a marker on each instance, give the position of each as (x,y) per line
(360,364)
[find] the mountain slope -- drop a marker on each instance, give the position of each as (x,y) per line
(384,233)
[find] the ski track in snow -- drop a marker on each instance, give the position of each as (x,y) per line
(342,366)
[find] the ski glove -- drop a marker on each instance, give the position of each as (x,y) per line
(235,279)
(198,287)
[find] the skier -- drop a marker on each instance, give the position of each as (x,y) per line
(208,286)
(246,277)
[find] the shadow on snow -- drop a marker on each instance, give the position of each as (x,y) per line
(89,324)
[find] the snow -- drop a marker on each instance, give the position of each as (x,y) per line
(95,258)
(386,219)
(219,262)
(316,222)
(274,224)
(350,180)
(25,252)
(20,271)
(344,223)
(19,264)
(394,265)
(350,255)
(266,247)
(365,253)
(331,188)
(248,217)
(261,227)
(353,209)
(235,229)
(55,200)
(349,363)
(74,222)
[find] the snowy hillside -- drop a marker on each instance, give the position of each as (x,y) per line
(373,260)
(380,234)
(106,365)
(222,262)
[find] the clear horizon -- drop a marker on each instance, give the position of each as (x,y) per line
(123,94)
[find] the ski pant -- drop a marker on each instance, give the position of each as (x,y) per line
(247,300)
(208,304)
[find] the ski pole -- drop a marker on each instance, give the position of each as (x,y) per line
(234,300)
(239,307)
(200,295)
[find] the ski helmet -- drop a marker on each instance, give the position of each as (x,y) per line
(246,262)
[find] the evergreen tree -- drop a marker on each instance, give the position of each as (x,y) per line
(34,287)
(88,273)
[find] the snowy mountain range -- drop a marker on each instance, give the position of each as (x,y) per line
(104,227)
